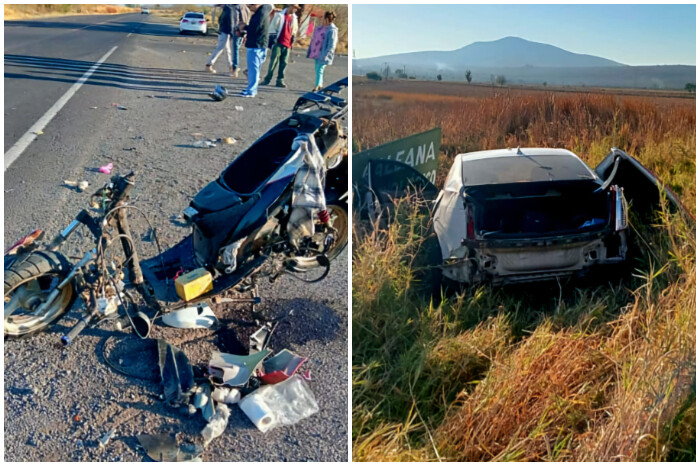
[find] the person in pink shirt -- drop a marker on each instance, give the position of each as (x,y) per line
(322,47)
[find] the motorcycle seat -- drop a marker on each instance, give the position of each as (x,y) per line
(214,198)
(257,164)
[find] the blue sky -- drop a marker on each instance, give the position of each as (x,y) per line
(630,34)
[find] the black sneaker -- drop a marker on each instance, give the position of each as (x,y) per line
(280,84)
(265,82)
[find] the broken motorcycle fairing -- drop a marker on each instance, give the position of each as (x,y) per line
(176,373)
(251,212)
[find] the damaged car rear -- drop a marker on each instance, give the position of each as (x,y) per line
(524,215)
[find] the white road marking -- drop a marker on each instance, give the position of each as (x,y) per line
(21,145)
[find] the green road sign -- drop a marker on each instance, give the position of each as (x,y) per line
(419,151)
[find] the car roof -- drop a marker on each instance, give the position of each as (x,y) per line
(510,152)
(468,161)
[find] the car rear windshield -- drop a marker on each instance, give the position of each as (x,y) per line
(194,16)
(523,169)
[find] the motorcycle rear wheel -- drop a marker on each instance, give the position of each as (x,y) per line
(28,283)
(339,220)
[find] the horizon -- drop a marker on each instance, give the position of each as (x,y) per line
(648,35)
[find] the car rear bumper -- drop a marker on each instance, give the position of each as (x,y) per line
(502,263)
(193,28)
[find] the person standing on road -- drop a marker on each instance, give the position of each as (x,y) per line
(322,48)
(224,43)
(256,43)
(283,29)
(241,15)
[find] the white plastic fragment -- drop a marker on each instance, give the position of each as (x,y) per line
(217,425)
(200,398)
(282,404)
(204,143)
(199,316)
(226,395)
(238,108)
(106,437)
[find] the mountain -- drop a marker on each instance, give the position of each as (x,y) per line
(509,52)
(525,62)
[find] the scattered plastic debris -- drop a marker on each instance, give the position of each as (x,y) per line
(80,185)
(175,373)
(199,316)
(233,370)
(228,140)
(238,108)
(164,447)
(106,438)
(281,404)
(38,133)
(205,143)
(119,107)
(258,340)
(217,425)
(281,366)
(226,395)
(204,402)
(107,169)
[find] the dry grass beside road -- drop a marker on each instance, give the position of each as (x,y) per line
(587,373)
(24,11)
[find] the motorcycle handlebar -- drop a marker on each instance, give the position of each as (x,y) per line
(67,339)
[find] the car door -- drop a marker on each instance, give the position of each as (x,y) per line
(642,188)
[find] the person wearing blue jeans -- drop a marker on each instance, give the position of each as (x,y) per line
(256,43)
(327,52)
(256,57)
(241,15)
(237,42)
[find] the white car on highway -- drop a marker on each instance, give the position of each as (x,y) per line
(193,22)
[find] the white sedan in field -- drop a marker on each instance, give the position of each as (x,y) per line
(193,22)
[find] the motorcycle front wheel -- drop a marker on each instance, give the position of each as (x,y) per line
(28,283)
(339,221)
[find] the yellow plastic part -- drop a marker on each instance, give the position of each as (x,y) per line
(194,283)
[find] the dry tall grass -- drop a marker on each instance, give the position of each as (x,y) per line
(600,371)
(658,131)
(24,11)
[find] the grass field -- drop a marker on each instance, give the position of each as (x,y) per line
(601,370)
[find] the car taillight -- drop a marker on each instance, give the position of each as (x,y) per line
(618,208)
(470,222)
(201,22)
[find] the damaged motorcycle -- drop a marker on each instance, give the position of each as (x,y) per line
(279,208)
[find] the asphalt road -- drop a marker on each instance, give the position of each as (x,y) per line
(159,77)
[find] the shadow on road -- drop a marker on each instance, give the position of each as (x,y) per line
(125,77)
(135,27)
